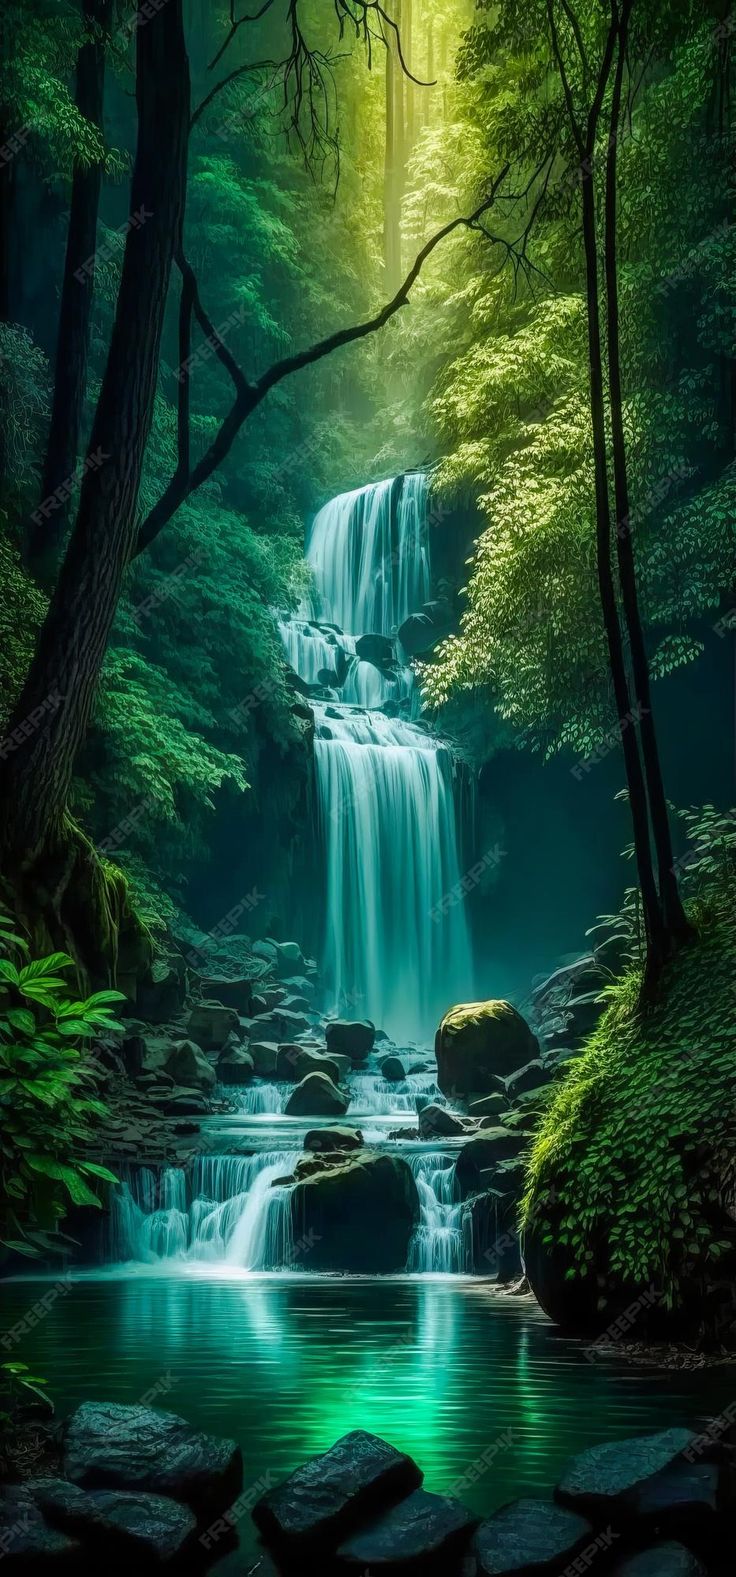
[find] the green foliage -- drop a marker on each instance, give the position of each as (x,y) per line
(19,1385)
(638,1142)
(37,100)
(48,1095)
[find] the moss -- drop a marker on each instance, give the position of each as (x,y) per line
(637,1147)
(474,1013)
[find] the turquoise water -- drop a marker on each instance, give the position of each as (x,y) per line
(442,1367)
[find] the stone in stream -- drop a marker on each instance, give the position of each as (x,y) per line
(607,1480)
(354,1039)
(294,1062)
(236,1067)
(423,1533)
(264,1054)
(153,1526)
(661,1560)
(111,1446)
(210,1024)
(392,1068)
(436,1122)
(331,1495)
(375,649)
(329,1139)
(479,1157)
(316,1096)
(476,1041)
(358,1215)
(530,1536)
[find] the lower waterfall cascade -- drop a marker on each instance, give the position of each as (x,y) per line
(395,948)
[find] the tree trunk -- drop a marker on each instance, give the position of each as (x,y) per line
(635,779)
(51,715)
(72,346)
(675,920)
(390,250)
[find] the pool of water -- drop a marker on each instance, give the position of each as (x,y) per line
(469,1382)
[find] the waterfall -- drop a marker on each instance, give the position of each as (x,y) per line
(374,1096)
(225,1210)
(441,1241)
(396,945)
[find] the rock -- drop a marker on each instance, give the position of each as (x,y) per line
(343,1064)
(162,995)
(418,1532)
(294,1062)
(301,986)
(479,1157)
(421,631)
(358,1215)
(264,1054)
(495,1248)
(489,1105)
(232,993)
(375,649)
(316,1096)
(392,1068)
(111,1446)
(331,1495)
(352,1039)
(477,1040)
(28,1543)
(329,1139)
(436,1122)
(661,1560)
(532,1077)
(236,1067)
(530,1536)
(280,1024)
(132,1053)
(183,1105)
(286,958)
(600,1482)
(682,1499)
(210,1024)
(152,1526)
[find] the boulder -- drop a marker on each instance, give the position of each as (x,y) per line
(280,1024)
(153,1527)
(353,1039)
(421,631)
(392,1068)
(286,958)
(327,1140)
(328,1498)
(210,1024)
(357,1216)
(294,1062)
(490,1220)
(531,1078)
(316,1096)
(232,993)
(375,649)
(661,1560)
(28,1542)
(235,1067)
(479,1158)
(264,1054)
(343,1064)
(476,1041)
(605,1480)
(300,985)
(183,1061)
(108,1445)
(436,1122)
(530,1536)
(416,1534)
(161,996)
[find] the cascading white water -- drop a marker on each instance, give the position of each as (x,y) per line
(441,1241)
(397,947)
(225,1210)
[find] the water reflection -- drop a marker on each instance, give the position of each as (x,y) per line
(441,1367)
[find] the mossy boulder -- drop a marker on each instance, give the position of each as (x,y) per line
(356,1216)
(316,1096)
(478,1041)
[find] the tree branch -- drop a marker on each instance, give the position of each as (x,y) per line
(250,395)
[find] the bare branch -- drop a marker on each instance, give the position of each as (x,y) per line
(253,16)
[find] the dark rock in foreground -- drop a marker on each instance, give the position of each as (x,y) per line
(358,1215)
(152,1526)
(328,1498)
(436,1122)
(328,1139)
(604,1480)
(424,1533)
(530,1536)
(662,1560)
(479,1157)
(28,1542)
(110,1446)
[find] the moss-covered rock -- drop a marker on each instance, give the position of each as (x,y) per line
(477,1041)
(357,1215)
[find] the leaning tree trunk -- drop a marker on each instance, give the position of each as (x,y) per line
(72,345)
(52,712)
(635,778)
(676,923)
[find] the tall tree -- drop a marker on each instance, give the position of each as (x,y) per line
(72,343)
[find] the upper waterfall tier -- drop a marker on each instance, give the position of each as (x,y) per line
(369,551)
